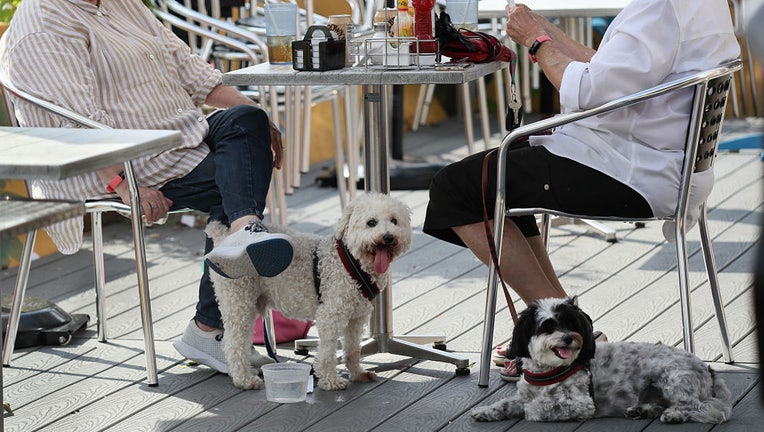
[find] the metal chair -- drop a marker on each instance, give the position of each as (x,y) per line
(95,208)
(708,109)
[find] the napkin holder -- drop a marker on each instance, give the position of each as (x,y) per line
(331,52)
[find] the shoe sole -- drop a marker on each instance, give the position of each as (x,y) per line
(200,357)
(266,258)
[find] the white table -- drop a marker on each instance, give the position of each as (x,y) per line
(377,95)
(58,153)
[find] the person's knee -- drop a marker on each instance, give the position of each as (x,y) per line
(249,117)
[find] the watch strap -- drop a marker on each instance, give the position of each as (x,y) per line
(533,49)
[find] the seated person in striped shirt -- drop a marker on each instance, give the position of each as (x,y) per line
(114,62)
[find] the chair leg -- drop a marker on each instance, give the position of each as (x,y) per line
(351,106)
(339,156)
(490,307)
(467,111)
(14,315)
(485,122)
(684,287)
(713,280)
(99,273)
(419,107)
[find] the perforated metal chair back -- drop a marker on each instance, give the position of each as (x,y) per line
(706,119)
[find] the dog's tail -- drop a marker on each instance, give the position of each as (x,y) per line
(718,408)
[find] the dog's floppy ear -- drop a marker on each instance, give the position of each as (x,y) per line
(524,330)
(344,221)
(584,322)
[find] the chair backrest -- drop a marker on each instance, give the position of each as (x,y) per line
(712,105)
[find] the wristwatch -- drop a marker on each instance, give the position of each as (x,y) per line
(536,45)
(115,182)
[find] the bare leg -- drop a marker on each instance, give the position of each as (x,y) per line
(525,264)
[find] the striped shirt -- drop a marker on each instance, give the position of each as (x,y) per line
(118,65)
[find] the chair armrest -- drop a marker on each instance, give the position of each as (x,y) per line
(624,101)
(48,106)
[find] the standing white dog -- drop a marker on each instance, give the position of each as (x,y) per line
(566,376)
(331,279)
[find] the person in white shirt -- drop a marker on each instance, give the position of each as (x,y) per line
(624,163)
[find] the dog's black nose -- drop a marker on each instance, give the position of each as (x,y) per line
(567,339)
(388,238)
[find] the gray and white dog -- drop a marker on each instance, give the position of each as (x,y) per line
(567,376)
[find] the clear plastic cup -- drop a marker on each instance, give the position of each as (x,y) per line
(286,382)
(280,31)
(463,13)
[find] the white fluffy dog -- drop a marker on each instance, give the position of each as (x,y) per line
(323,283)
(566,376)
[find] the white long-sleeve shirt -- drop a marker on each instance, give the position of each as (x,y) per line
(649,43)
(118,65)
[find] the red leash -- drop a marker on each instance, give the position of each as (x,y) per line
(489,237)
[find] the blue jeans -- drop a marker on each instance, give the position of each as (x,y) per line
(232,181)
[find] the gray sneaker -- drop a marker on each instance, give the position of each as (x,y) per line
(206,348)
(252,251)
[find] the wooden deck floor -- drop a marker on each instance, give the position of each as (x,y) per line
(629,288)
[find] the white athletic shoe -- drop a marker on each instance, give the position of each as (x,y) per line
(207,348)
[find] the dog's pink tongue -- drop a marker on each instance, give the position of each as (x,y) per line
(564,352)
(381,260)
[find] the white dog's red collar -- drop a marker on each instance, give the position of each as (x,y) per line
(368,288)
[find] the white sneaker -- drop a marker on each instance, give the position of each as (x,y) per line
(252,251)
(206,348)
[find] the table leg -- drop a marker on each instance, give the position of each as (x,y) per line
(378,129)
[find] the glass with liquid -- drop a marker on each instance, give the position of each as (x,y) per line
(280,31)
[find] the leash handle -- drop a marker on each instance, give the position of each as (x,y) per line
(489,236)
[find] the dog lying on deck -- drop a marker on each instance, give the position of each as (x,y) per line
(566,376)
(331,279)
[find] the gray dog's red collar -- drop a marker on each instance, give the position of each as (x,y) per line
(553,376)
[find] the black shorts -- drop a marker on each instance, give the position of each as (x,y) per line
(535,178)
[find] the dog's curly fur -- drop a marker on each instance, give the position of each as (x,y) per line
(371,224)
(634,380)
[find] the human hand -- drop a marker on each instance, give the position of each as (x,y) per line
(524,25)
(154,205)
(277,146)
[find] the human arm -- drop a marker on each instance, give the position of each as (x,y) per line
(524,26)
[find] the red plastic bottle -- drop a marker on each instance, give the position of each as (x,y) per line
(423,24)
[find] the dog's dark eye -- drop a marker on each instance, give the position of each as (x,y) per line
(394,221)
(548,326)
(371,223)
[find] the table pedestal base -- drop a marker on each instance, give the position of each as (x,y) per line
(404,345)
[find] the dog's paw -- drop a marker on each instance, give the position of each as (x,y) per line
(364,376)
(486,414)
(247,382)
(673,415)
(335,383)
